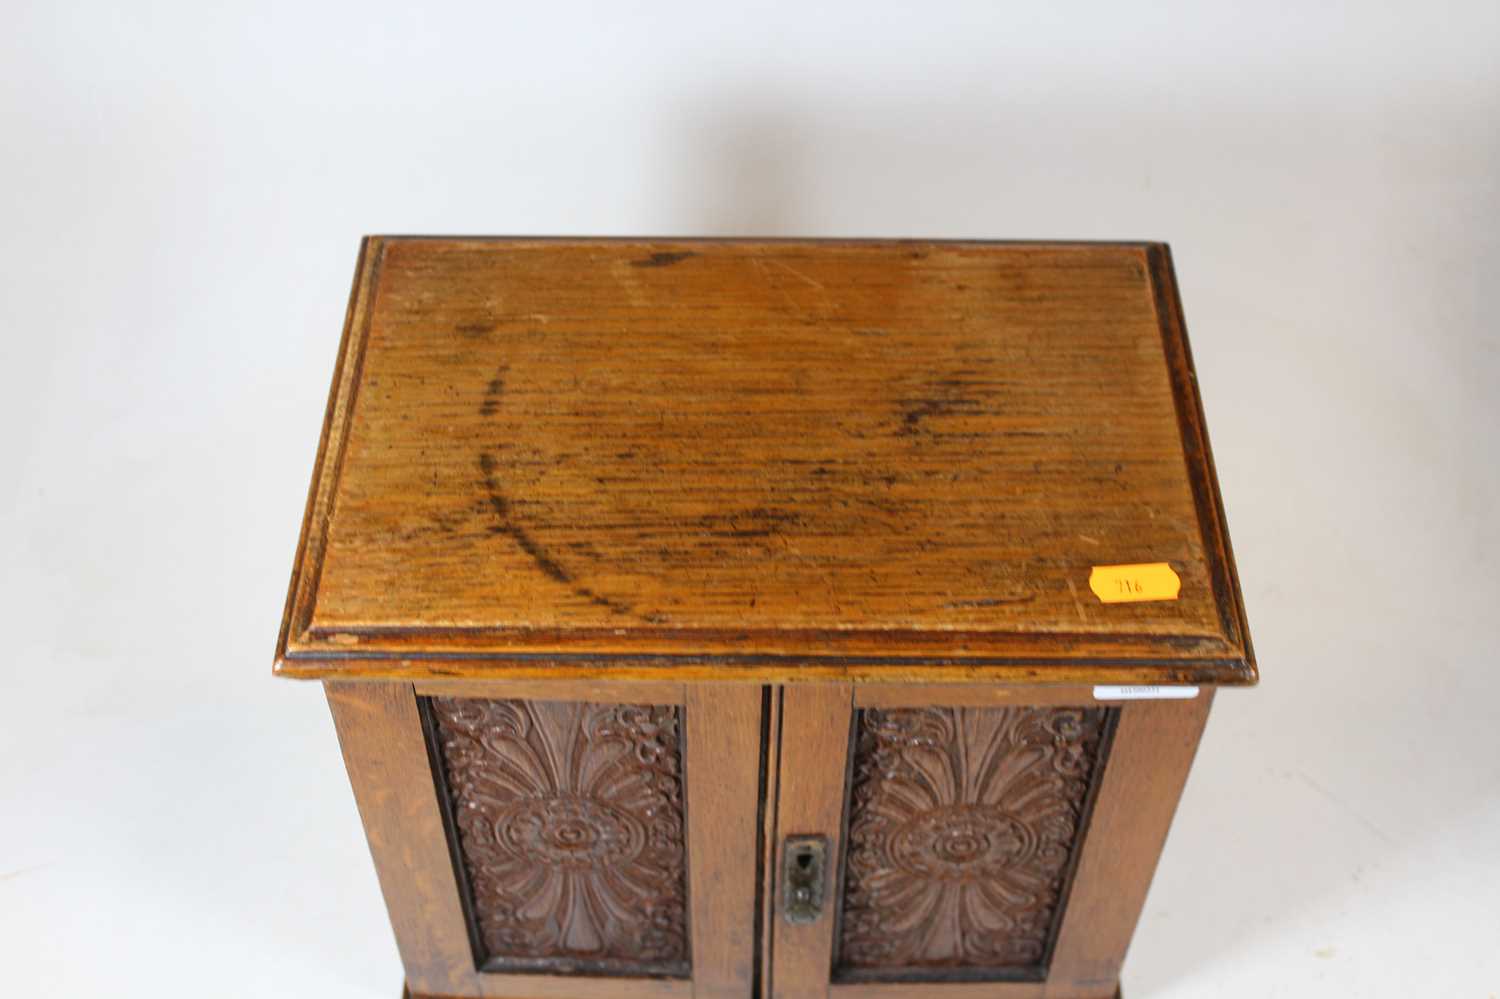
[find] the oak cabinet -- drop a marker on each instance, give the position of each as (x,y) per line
(733,618)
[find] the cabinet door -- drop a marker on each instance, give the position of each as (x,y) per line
(562,839)
(965,841)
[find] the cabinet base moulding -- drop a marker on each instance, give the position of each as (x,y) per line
(989,989)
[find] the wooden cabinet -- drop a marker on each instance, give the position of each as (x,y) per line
(732,618)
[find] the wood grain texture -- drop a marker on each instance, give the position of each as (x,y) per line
(937,990)
(557,689)
(723,751)
(945,990)
(770,847)
(962,823)
(815,731)
(565,987)
(1149,757)
(905,990)
(385,751)
(760,458)
(733,668)
(973,695)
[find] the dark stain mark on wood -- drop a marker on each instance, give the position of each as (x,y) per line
(474,329)
(759,522)
(914,411)
(585,549)
(661,259)
(492,393)
(499,503)
(948,397)
(533,549)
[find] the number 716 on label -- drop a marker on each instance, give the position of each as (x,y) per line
(1122,584)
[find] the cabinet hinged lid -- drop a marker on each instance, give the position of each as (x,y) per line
(765,460)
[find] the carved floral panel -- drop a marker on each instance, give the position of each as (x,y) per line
(961,825)
(569,819)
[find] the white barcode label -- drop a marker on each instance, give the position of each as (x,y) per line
(1145,693)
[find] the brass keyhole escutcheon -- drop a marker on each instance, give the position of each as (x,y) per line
(803,863)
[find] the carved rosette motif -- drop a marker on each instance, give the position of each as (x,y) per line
(570,824)
(962,821)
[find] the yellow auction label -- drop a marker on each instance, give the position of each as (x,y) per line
(1124,584)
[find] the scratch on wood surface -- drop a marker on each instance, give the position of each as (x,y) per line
(791,302)
(990,602)
(797,274)
(1077,604)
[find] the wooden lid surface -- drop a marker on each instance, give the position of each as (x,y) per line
(765,460)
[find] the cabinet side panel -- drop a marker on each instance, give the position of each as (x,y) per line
(380,734)
(962,826)
(1149,757)
(570,832)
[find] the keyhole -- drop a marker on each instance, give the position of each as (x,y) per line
(802,878)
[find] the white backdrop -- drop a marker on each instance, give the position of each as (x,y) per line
(182,188)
